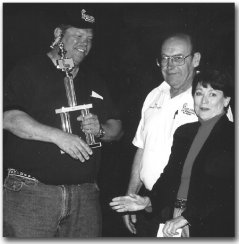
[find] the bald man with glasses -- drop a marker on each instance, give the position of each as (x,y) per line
(166,107)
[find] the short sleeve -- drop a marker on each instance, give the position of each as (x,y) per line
(18,90)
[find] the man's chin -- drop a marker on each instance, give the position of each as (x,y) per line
(172,82)
(77,61)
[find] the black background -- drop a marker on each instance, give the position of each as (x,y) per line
(127,41)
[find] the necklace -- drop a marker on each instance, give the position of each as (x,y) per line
(74,70)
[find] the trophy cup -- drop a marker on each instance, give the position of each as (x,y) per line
(66,65)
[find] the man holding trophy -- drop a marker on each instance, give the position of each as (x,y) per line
(56,113)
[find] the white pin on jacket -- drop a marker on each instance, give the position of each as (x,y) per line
(96,95)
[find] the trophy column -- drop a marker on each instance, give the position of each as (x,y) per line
(67,66)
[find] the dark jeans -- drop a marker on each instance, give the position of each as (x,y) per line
(146,225)
(33,209)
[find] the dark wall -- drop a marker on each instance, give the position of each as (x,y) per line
(128,37)
(126,33)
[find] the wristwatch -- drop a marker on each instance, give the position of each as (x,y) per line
(101,132)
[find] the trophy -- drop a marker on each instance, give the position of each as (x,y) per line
(67,65)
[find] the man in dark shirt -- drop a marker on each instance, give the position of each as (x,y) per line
(50,189)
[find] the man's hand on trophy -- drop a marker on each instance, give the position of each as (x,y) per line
(89,123)
(73,145)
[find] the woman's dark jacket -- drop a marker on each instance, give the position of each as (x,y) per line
(211,196)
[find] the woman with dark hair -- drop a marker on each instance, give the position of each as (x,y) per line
(195,192)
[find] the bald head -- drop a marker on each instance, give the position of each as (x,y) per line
(179,75)
(180,40)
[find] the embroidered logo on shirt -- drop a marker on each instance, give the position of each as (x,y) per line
(187,110)
(96,95)
(155,105)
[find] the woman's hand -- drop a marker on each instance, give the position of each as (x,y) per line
(130,203)
(171,226)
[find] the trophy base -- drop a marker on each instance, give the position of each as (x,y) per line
(95,145)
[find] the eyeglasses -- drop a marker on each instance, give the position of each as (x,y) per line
(176,60)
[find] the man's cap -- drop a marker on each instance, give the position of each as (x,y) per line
(78,17)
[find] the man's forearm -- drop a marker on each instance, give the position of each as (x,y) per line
(148,207)
(24,126)
(135,183)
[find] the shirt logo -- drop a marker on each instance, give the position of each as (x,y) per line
(155,105)
(187,110)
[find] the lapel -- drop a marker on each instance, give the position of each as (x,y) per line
(214,139)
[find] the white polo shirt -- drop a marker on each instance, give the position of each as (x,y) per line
(161,116)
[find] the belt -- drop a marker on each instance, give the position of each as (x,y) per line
(15,172)
(180,203)
(21,174)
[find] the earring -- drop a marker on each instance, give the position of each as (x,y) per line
(57,39)
(157,62)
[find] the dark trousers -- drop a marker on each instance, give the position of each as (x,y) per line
(147,225)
